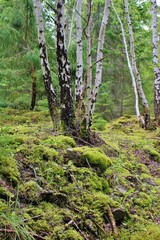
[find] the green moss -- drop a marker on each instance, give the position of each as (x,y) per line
(70,234)
(3,206)
(151,232)
(143,199)
(5,194)
(60,142)
(41,152)
(8,168)
(90,157)
(153,153)
(29,191)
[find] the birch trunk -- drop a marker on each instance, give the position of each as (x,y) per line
(98,76)
(79,70)
(66,99)
(135,69)
(89,65)
(51,96)
(155,61)
(130,67)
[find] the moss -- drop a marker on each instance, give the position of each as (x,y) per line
(143,199)
(5,194)
(70,234)
(29,191)
(8,168)
(151,232)
(89,157)
(41,152)
(60,142)
(3,206)
(153,153)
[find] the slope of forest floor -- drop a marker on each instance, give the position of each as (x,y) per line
(53,188)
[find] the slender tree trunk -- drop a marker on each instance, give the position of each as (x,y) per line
(89,65)
(51,96)
(34,89)
(135,69)
(130,67)
(66,99)
(98,76)
(79,91)
(79,70)
(155,61)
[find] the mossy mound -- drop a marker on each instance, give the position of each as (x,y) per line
(89,157)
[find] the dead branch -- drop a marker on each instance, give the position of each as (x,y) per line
(112,221)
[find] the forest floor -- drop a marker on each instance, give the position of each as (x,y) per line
(53,188)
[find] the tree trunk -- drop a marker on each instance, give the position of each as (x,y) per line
(135,69)
(66,99)
(51,96)
(155,61)
(98,76)
(89,65)
(34,89)
(130,68)
(79,70)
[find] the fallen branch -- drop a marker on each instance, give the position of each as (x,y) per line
(112,221)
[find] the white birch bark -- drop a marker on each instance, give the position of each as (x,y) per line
(79,70)
(98,75)
(89,64)
(155,61)
(51,96)
(130,67)
(135,69)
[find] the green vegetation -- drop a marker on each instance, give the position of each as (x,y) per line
(57,189)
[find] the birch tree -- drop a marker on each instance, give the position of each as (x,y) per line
(79,54)
(51,96)
(135,69)
(98,75)
(130,67)
(66,99)
(89,65)
(155,61)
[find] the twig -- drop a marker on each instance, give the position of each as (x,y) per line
(112,221)
(89,15)
(80,15)
(100,60)
(82,233)
(80,139)
(52,7)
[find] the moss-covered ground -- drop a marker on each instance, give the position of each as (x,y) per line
(53,188)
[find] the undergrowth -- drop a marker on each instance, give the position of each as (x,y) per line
(52,188)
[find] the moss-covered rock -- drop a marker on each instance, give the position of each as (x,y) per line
(89,157)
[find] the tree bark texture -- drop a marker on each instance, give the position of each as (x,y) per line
(155,61)
(66,99)
(135,69)
(51,96)
(130,67)
(34,88)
